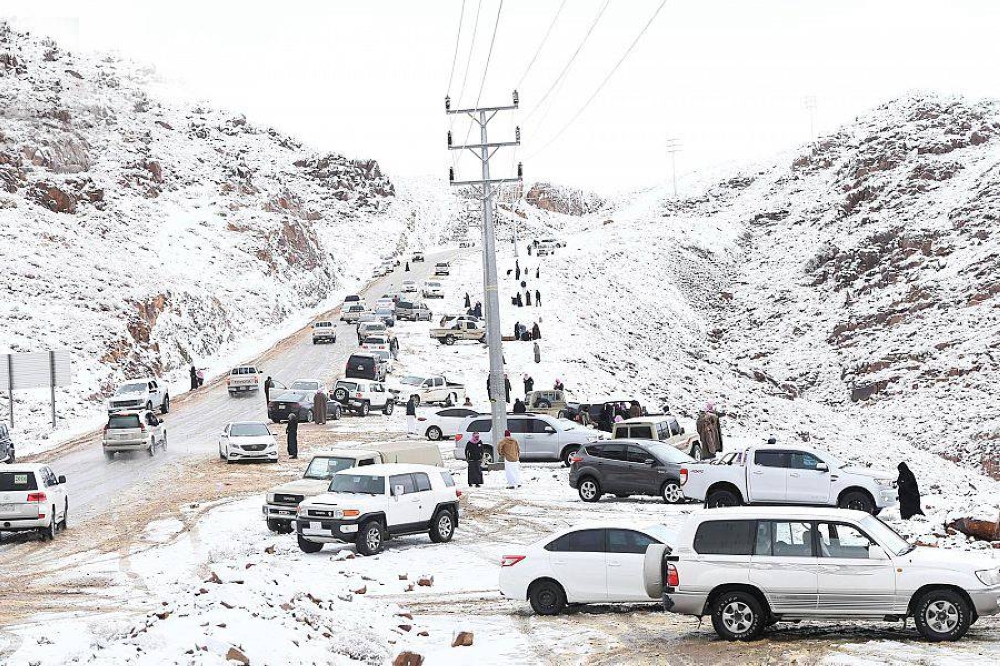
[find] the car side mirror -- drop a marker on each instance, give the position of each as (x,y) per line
(397,491)
(875,552)
(822,467)
(549,430)
(650,461)
(62,479)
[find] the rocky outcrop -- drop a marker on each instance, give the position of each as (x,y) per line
(566,201)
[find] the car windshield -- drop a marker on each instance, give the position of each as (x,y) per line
(324,467)
(669,454)
(358,484)
(138,387)
(305,386)
(249,430)
(290,396)
(886,536)
(412,380)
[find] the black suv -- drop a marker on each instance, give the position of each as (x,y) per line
(624,467)
(6,445)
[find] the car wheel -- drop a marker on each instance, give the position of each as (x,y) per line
(163,442)
(65,520)
(337,414)
(371,538)
(561,414)
(856,500)
(568,453)
(442,527)
(449,339)
(389,406)
(547,597)
(737,616)
(49,533)
(365,408)
(309,546)
(488,456)
(109,455)
(942,615)
(309,416)
(152,448)
(149,405)
(434,434)
(671,492)
(450,400)
(165,407)
(340,395)
(543,404)
(720,498)
(589,489)
(695,451)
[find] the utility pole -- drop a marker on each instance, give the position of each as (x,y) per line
(809,103)
(673,147)
(484,150)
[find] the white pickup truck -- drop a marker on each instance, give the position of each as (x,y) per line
(244,379)
(148,394)
(773,474)
(428,390)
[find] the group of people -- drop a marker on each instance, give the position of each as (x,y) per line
(474,310)
(507,448)
(197,377)
(524,334)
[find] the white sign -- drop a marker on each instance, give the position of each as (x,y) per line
(34,370)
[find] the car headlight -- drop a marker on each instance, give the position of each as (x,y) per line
(270,498)
(989,577)
(885,483)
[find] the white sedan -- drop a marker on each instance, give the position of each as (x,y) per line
(248,440)
(409,287)
(444,423)
(591,564)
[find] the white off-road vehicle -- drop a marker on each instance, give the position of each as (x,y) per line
(244,379)
(324,331)
(361,396)
(367,505)
(428,390)
(147,393)
(138,430)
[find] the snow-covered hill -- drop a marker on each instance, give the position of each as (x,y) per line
(146,235)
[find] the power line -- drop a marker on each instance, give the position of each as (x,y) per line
(458,38)
(565,69)
(542,44)
(472,45)
(604,82)
(489,54)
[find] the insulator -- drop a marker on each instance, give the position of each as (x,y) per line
(449,138)
(447,102)
(451,174)
(515,98)
(520,170)
(517,134)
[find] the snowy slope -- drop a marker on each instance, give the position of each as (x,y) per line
(146,236)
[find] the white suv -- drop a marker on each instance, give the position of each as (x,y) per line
(32,497)
(133,431)
(367,505)
(361,396)
(749,567)
(540,437)
(323,331)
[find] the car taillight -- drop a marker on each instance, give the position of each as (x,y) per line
(142,427)
(458,493)
(38,498)
(256,380)
(228,380)
(511,560)
(575,459)
(673,580)
(357,395)
(458,438)
(684,475)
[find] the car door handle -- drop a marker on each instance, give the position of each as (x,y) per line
(558,561)
(757,471)
(794,474)
(614,564)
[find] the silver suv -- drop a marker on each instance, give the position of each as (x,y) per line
(539,436)
(138,430)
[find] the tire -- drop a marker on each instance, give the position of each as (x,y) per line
(152,448)
(720,498)
(449,339)
(942,615)
(737,616)
(671,492)
(543,404)
(65,520)
(309,416)
(340,395)
(371,538)
(450,400)
(337,413)
(49,533)
(589,489)
(567,452)
(366,408)
(561,414)
(149,405)
(434,434)
(165,407)
(695,451)
(109,455)
(442,527)
(389,406)
(488,456)
(857,500)
(547,597)
(309,546)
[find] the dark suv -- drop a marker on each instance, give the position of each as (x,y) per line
(6,445)
(624,467)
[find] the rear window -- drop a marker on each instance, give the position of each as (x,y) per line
(120,422)
(14,481)
(448,480)
(724,537)
(244,371)
(481,425)
(322,324)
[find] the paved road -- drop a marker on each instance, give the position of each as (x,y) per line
(195,421)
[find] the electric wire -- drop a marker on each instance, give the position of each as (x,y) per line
(458,39)
(541,45)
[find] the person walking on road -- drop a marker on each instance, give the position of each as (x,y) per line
(536,332)
(511,454)
(194,378)
(319,407)
(538,299)
(529,249)
(709,431)
(538,271)
(268,385)
(468,301)
(529,384)
(909,493)
(538,354)
(406,269)
(519,407)
(474,458)
(292,435)
(411,416)
(527,298)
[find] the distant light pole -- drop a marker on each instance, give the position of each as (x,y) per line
(673,147)
(809,103)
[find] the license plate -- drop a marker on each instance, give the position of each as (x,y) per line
(7,508)
(315,526)
(281,406)
(285,513)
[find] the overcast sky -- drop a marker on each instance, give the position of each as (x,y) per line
(728,78)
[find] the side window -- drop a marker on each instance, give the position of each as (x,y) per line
(614,451)
(675,427)
(629,541)
(770,458)
(366,461)
(842,541)
(587,541)
(636,455)
(423,482)
(560,545)
(438,381)
(449,481)
(642,432)
(790,539)
(481,425)
(448,413)
(518,426)
(595,450)
(724,537)
(427,383)
(621,432)
(802,460)
(539,426)
(405,480)
(151,386)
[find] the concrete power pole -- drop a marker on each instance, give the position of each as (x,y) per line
(673,147)
(484,150)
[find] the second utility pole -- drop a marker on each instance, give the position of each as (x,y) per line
(484,150)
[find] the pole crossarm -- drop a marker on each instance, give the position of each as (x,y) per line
(489,181)
(493,109)
(491,144)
